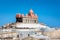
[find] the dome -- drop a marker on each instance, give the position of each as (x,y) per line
(31,11)
(18,15)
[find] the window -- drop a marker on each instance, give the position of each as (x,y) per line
(26,21)
(19,19)
(34,21)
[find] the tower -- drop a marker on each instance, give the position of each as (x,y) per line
(18,18)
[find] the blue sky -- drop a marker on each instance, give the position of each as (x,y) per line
(48,11)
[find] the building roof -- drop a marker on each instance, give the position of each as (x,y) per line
(30,14)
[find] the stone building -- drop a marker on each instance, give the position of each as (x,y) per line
(29,18)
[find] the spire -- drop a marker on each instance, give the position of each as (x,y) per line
(31,11)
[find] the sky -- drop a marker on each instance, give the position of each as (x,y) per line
(48,11)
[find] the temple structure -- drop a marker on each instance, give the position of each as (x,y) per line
(29,18)
(25,26)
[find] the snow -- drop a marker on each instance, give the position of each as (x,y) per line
(40,36)
(29,25)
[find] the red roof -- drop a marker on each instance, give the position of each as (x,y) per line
(31,14)
(18,15)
